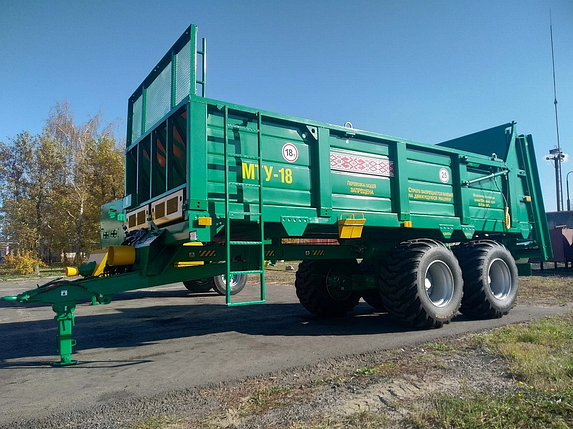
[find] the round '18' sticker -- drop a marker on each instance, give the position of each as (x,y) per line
(290,152)
(444,175)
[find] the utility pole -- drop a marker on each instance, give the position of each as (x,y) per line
(567,183)
(555,154)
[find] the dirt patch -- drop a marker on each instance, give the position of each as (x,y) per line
(391,384)
(552,287)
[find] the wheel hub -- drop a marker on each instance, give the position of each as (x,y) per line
(439,283)
(499,279)
(335,286)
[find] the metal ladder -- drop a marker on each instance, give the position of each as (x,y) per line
(258,242)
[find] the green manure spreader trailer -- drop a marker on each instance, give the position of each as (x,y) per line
(214,189)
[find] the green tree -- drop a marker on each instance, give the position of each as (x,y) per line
(16,160)
(91,160)
(52,185)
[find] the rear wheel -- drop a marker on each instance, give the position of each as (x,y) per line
(421,283)
(237,283)
(202,285)
(490,279)
(321,286)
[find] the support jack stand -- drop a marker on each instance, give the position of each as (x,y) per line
(65,318)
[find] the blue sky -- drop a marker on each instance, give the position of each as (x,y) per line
(423,70)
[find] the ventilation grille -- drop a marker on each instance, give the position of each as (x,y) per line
(172,205)
(168,208)
(132,221)
(137,219)
(159,210)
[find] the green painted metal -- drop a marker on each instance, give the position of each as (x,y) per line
(232,215)
(65,318)
(254,180)
(481,179)
(536,208)
(112,219)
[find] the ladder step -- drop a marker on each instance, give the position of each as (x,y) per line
(248,185)
(242,128)
(238,304)
(245,243)
(248,272)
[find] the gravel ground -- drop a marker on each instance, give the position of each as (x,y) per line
(325,393)
(332,389)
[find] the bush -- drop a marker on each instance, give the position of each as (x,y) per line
(22,263)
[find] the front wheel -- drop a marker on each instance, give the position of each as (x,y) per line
(199,286)
(421,283)
(237,283)
(490,279)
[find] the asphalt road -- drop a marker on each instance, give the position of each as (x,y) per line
(158,340)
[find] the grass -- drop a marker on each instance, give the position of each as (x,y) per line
(540,353)
(53,271)
(278,274)
(540,356)
(529,408)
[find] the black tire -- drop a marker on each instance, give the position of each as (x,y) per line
(372,296)
(237,283)
(421,283)
(490,276)
(374,299)
(312,279)
(198,286)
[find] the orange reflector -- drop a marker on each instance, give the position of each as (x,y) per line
(204,221)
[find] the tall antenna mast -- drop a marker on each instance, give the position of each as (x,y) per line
(556,155)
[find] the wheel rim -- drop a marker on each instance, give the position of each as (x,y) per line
(499,279)
(439,283)
(235,279)
(335,287)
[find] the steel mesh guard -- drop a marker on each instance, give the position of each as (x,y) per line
(136,119)
(183,73)
(158,97)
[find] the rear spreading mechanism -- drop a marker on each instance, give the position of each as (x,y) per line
(214,189)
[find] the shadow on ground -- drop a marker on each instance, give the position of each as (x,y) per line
(183,317)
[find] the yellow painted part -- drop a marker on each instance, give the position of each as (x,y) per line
(350,226)
(407,224)
(183,264)
(205,221)
(120,255)
(193,243)
(99,270)
(72,271)
(527,198)
(507,218)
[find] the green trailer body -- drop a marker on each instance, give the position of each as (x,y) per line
(214,188)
